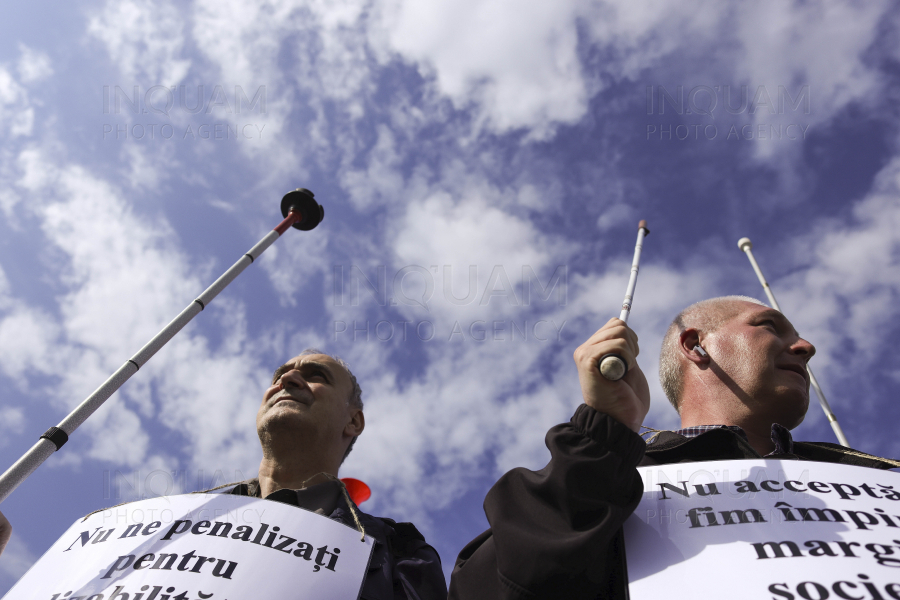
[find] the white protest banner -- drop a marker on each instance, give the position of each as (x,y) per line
(200,546)
(765,529)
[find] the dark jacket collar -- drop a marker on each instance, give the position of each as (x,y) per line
(724,444)
(342,512)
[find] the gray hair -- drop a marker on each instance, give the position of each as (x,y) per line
(705,316)
(355,399)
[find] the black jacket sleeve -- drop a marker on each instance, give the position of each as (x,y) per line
(417,570)
(553,532)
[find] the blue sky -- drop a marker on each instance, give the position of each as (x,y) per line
(483,166)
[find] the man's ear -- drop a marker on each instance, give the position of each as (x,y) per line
(357,423)
(689,345)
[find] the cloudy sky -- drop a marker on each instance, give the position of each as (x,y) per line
(482,165)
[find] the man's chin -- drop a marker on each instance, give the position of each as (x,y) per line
(286,409)
(790,407)
(282,417)
(795,418)
(796,422)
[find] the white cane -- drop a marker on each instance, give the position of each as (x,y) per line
(746,245)
(612,366)
(300,211)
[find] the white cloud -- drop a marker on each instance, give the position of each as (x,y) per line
(34,65)
(147,168)
(34,171)
(639,34)
(13,417)
(517,63)
(118,435)
(307,60)
(516,67)
(381,179)
(448,419)
(5,298)
(113,254)
(292,263)
(525,419)
(211,399)
(16,113)
(820,44)
(454,239)
(617,215)
(144,38)
(242,38)
(8,201)
(26,338)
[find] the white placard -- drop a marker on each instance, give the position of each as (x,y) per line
(765,529)
(201,546)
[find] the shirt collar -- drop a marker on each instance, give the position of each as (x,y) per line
(323,498)
(781,436)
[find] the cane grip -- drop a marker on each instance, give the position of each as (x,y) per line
(612,367)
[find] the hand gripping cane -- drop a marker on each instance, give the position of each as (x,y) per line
(746,245)
(299,208)
(613,366)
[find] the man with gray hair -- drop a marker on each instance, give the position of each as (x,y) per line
(734,369)
(308,422)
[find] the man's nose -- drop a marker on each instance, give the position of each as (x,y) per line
(293,378)
(803,348)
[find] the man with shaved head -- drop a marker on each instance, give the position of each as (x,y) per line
(734,369)
(758,379)
(308,422)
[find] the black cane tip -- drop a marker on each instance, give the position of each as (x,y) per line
(303,201)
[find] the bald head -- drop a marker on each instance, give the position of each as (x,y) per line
(705,316)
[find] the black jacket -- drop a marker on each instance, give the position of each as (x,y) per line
(556,533)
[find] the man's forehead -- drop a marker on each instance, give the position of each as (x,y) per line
(315,358)
(750,309)
(322,360)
